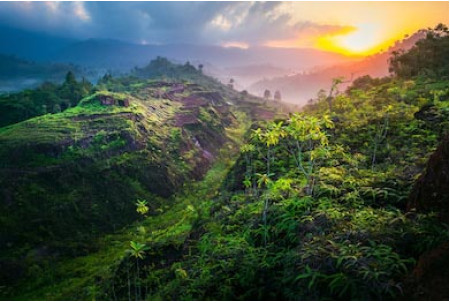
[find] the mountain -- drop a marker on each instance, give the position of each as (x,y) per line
(31,45)
(122,55)
(167,185)
(246,75)
(17,73)
(245,66)
(75,175)
(99,56)
(300,87)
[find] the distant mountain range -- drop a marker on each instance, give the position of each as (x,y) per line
(106,53)
(121,55)
(17,74)
(300,87)
(31,45)
(298,73)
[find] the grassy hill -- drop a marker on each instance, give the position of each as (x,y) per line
(75,175)
(337,202)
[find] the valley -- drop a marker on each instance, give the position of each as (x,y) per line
(159,172)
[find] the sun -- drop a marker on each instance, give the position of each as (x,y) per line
(363,40)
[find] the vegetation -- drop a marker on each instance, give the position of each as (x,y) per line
(48,98)
(428,57)
(87,166)
(313,206)
(161,68)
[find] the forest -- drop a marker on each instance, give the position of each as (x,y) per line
(165,184)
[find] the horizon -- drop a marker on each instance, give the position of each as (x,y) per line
(295,47)
(327,26)
(224,151)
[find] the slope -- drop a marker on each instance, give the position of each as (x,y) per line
(70,177)
(328,221)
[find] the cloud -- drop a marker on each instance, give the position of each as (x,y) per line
(220,23)
(80,11)
(65,19)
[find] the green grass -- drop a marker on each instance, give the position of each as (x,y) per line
(72,278)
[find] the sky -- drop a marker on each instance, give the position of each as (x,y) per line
(344,27)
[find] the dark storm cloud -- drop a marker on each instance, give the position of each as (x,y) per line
(160,22)
(155,22)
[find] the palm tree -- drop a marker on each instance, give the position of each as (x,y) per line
(142,207)
(137,251)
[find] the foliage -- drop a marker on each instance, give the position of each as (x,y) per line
(48,98)
(142,207)
(137,249)
(313,208)
(429,57)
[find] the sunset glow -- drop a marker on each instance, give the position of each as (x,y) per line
(224,150)
(362,41)
(367,27)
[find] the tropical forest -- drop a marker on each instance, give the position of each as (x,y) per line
(168,172)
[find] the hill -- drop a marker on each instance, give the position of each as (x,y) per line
(301,87)
(75,175)
(47,98)
(158,188)
(113,54)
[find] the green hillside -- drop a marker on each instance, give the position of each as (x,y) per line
(167,185)
(47,98)
(75,175)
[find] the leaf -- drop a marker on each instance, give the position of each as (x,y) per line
(181,273)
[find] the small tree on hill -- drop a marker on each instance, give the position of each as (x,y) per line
(231,83)
(70,78)
(277,96)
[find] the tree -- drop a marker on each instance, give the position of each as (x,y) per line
(56,109)
(267,94)
(137,251)
(200,68)
(70,78)
(428,57)
(334,84)
(277,96)
(247,150)
(142,207)
(106,78)
(72,92)
(307,144)
(231,83)
(270,137)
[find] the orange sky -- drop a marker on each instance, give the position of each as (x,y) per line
(370,26)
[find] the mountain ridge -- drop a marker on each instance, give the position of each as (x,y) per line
(301,87)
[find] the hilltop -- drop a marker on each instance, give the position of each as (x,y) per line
(76,174)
